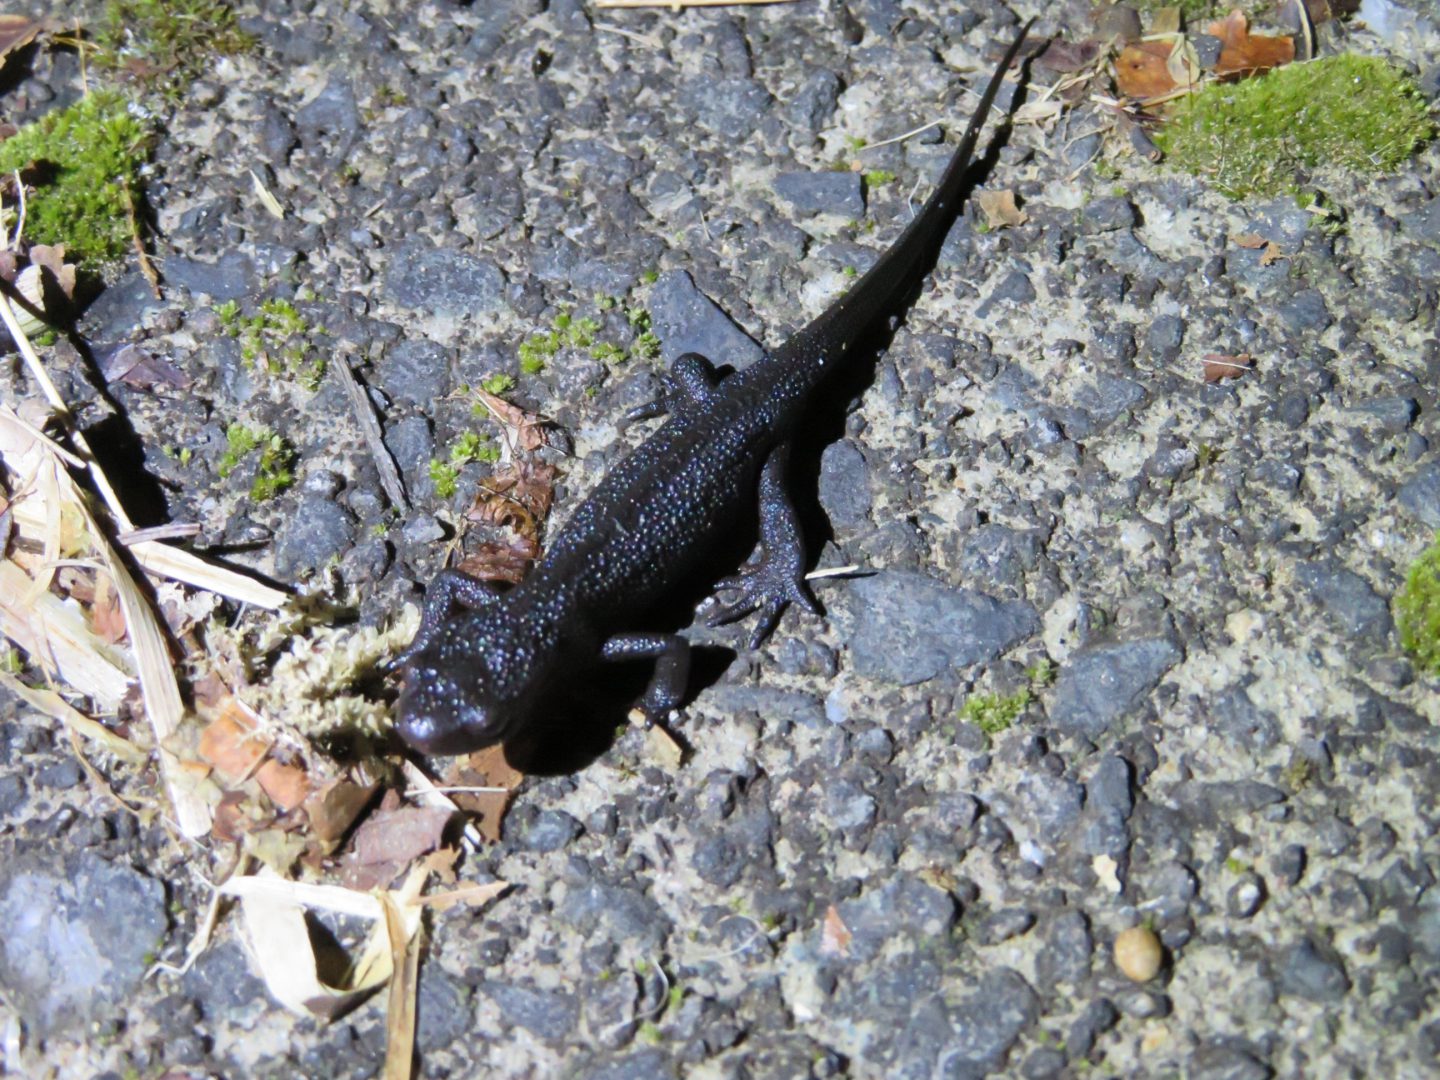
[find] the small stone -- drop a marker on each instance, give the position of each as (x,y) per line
(1138,954)
(1101,684)
(823,192)
(1245,896)
(686,320)
(1314,971)
(443,281)
(912,628)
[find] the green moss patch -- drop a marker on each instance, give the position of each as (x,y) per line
(1349,112)
(87,160)
(163,44)
(1417,610)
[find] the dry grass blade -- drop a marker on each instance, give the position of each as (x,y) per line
(54,634)
(53,705)
(404,988)
(158,686)
(370,431)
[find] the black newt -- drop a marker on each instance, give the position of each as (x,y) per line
(475,675)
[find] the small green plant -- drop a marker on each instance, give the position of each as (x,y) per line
(274,473)
(163,44)
(229,315)
(992,713)
(89,156)
(470,446)
(849,271)
(608,352)
(444,477)
(649,277)
(879,178)
(1417,610)
(498,384)
(276,340)
(1358,113)
(650,1033)
(1041,673)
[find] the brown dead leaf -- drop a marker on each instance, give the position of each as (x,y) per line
(400,836)
(1220,366)
(494,561)
(1142,69)
(999,209)
(235,815)
(136,367)
(52,258)
(106,618)
(488,769)
(524,432)
(1243,53)
(1250,241)
(1068,57)
(17,31)
(1272,252)
(333,807)
(517,495)
(287,785)
(232,745)
(835,936)
(1165,20)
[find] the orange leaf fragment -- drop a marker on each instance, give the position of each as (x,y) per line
(1142,70)
(489,769)
(232,745)
(1224,366)
(1243,53)
(1000,210)
(835,936)
(287,785)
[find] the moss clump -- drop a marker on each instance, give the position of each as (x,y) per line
(277,340)
(163,44)
(87,158)
(1351,112)
(1417,610)
(992,713)
(275,470)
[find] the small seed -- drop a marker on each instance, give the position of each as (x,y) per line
(1138,954)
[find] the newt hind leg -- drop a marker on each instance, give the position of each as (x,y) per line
(777,579)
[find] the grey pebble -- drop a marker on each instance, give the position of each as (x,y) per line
(1065,957)
(231,278)
(315,532)
(59,775)
(1245,896)
(1102,683)
(550,1014)
(988,1024)
(1164,337)
(76,937)
(810,107)
(1420,495)
(686,320)
(1004,925)
(415,370)
(1314,971)
(443,281)
(1305,311)
(551,830)
(729,108)
(442,1010)
(845,485)
(1220,1062)
(1348,599)
(12,792)
(1097,1018)
(912,628)
(333,111)
(1108,214)
(823,193)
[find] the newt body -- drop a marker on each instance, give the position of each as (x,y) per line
(473,676)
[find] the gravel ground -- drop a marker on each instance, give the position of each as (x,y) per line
(848,877)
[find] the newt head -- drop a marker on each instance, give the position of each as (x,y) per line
(466,687)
